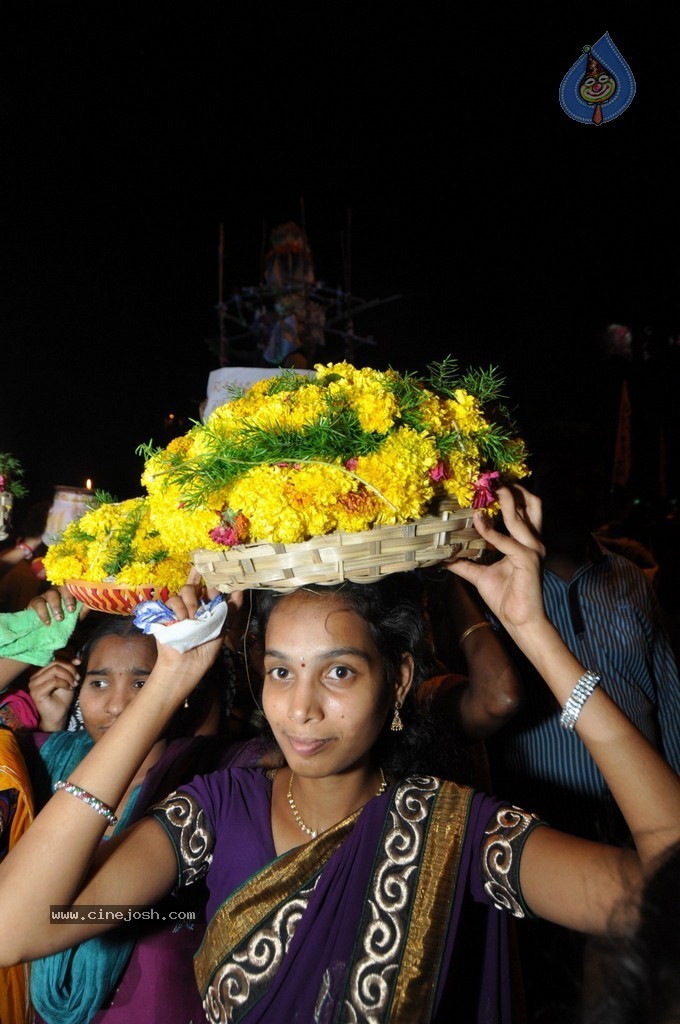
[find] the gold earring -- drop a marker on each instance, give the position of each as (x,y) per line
(397,724)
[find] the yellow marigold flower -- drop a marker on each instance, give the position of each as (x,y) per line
(443,416)
(60,568)
(181,445)
(283,504)
(293,409)
(180,528)
(169,573)
(357,510)
(438,414)
(467,412)
(400,472)
(365,391)
(461,469)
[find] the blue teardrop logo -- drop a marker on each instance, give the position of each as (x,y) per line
(599,86)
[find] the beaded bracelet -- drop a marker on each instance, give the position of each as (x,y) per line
(579,695)
(87,798)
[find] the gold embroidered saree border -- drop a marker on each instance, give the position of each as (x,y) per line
(259,897)
(416,984)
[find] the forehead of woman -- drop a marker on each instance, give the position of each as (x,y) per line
(316,626)
(135,650)
(306,606)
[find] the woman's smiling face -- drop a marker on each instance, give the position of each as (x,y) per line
(325,693)
(118,667)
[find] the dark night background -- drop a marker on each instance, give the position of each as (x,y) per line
(513,234)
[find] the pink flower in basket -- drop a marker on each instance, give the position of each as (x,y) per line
(438,472)
(231,533)
(485,490)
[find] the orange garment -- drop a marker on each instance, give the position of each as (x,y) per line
(15,786)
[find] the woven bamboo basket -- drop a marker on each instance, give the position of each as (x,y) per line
(362,557)
(113,597)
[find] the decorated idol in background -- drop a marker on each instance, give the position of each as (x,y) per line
(292,336)
(290,319)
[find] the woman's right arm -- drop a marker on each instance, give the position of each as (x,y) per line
(54,862)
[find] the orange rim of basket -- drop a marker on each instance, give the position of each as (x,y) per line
(115,598)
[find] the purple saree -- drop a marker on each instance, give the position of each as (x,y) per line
(375,920)
(156,983)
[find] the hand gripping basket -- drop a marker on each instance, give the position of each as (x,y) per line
(362,557)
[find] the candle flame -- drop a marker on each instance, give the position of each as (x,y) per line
(88,484)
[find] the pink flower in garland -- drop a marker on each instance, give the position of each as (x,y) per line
(231,533)
(438,472)
(351,464)
(485,489)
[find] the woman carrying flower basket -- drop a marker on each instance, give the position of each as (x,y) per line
(342,886)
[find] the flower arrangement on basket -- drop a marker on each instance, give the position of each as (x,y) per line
(112,557)
(308,463)
(11,487)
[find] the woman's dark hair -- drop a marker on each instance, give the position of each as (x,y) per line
(392,608)
(641,973)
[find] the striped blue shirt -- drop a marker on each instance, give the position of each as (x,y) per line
(609,617)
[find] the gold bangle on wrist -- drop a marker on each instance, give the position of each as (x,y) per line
(466,632)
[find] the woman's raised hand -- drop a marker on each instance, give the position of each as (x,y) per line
(193,662)
(511,587)
(187,602)
(51,689)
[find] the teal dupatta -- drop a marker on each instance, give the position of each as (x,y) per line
(71,987)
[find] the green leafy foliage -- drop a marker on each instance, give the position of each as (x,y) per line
(13,472)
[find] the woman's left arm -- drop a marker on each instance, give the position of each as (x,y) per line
(564,879)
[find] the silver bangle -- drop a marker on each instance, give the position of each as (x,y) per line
(579,695)
(92,801)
